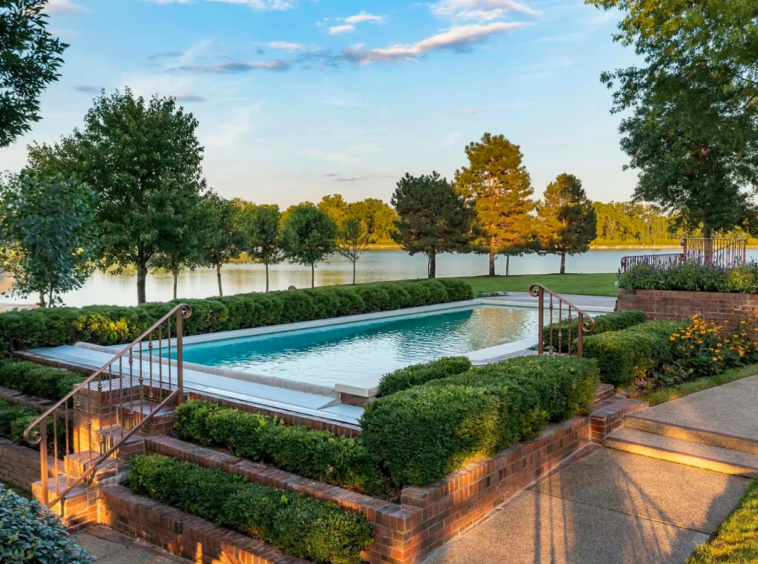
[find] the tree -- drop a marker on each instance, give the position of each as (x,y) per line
(432,218)
(567,221)
(263,235)
(378,217)
(48,234)
(29,60)
(352,240)
(499,185)
(335,207)
(143,159)
(309,236)
(692,108)
(223,239)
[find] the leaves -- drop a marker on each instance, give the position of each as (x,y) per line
(567,221)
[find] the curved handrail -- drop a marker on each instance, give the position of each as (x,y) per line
(33,437)
(534,291)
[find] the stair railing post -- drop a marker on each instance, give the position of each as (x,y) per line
(43,461)
(179,358)
(580,336)
(541,306)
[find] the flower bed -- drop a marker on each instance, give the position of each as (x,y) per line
(692,277)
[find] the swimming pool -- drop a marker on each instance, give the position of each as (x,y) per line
(337,353)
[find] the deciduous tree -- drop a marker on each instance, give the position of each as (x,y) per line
(499,186)
(223,239)
(567,222)
(263,235)
(335,207)
(309,237)
(143,159)
(48,234)
(432,218)
(29,60)
(352,240)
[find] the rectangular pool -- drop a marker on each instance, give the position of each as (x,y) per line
(337,353)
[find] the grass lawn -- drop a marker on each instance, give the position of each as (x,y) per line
(587,284)
(736,540)
(668,394)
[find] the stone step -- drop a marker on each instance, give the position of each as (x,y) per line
(691,434)
(131,414)
(699,455)
(78,463)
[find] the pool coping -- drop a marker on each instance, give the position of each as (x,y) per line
(364,387)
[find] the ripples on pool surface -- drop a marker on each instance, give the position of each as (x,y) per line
(328,355)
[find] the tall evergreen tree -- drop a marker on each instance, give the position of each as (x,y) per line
(567,221)
(263,235)
(432,218)
(499,186)
(309,237)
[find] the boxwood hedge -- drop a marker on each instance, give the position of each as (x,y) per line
(301,526)
(418,374)
(14,419)
(615,321)
(36,380)
(108,325)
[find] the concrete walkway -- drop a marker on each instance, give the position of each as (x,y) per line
(587,303)
(610,507)
(111,547)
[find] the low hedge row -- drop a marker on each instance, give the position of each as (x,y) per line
(615,321)
(692,277)
(31,533)
(108,325)
(318,455)
(36,380)
(625,355)
(301,526)
(421,434)
(14,419)
(418,374)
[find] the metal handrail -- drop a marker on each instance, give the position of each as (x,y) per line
(726,253)
(39,437)
(585,322)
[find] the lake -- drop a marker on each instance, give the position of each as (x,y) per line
(103,288)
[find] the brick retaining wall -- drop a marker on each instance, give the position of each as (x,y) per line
(679,306)
(19,465)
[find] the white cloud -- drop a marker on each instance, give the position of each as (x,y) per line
(364,17)
(459,37)
(337,29)
(286,46)
(236,67)
(63,7)
(480,10)
(254,4)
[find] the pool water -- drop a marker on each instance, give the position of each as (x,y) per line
(327,355)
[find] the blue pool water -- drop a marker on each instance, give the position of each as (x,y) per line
(327,355)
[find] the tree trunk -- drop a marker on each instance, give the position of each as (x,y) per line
(313,276)
(354,272)
(432,272)
(266,277)
(492,262)
(218,276)
(42,301)
(176,281)
(507,265)
(563,263)
(141,280)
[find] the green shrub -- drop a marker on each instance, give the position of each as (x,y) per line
(418,374)
(30,534)
(615,321)
(303,527)
(36,380)
(625,355)
(692,277)
(318,455)
(14,419)
(108,325)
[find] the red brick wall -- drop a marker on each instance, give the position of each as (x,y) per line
(19,465)
(427,517)
(677,306)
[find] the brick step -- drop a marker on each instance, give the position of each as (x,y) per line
(131,414)
(699,455)
(112,435)
(691,434)
(604,392)
(608,415)
(78,463)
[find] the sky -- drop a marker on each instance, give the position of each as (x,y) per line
(301,98)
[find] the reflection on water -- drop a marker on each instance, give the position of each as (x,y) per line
(374,266)
(331,355)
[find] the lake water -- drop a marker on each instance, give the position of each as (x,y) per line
(103,288)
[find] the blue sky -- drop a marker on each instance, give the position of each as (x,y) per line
(301,98)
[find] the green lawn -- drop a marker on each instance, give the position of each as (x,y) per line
(587,284)
(736,540)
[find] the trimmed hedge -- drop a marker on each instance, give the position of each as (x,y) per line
(318,455)
(624,355)
(108,325)
(37,380)
(421,434)
(30,533)
(692,277)
(14,419)
(301,526)
(615,321)
(418,374)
